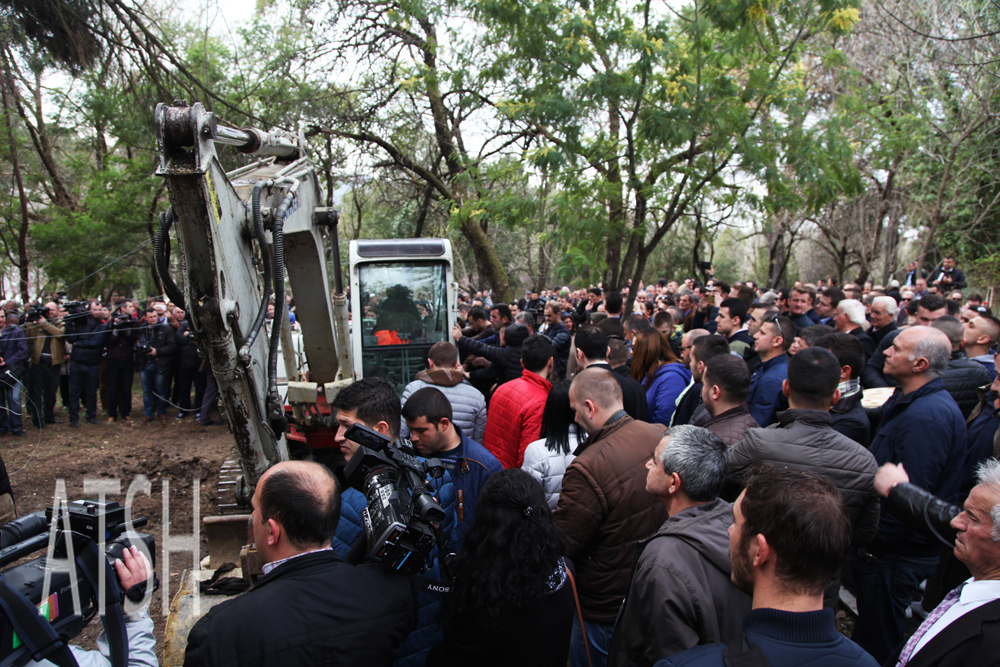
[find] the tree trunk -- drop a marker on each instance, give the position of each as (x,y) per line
(22,237)
(489,264)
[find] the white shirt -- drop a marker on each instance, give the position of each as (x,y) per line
(974,595)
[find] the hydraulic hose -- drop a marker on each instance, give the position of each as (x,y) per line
(278,240)
(161,257)
(265,257)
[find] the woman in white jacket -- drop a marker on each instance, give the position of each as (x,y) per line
(547,459)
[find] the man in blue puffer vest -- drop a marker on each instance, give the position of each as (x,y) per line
(468,465)
(374,403)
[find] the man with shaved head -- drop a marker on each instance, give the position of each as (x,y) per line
(603,507)
(922,429)
(982,333)
(309,605)
(963,377)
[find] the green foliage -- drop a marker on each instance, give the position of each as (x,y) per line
(109,223)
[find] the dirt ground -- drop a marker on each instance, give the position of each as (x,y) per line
(178,452)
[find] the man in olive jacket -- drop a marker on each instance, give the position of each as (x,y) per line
(604,508)
(681,593)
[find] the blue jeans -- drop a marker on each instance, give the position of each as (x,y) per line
(155,387)
(598,638)
(10,408)
(885,589)
(83,380)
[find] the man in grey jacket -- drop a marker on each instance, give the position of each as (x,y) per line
(467,403)
(804,439)
(681,594)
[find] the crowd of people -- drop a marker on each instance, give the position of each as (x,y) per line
(695,482)
(88,356)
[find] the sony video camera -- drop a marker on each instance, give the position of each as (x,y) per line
(58,615)
(400,510)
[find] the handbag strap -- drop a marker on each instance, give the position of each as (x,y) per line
(579,615)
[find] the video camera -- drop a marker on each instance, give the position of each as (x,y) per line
(32,628)
(36,312)
(400,510)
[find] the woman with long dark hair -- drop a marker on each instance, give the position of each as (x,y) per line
(546,459)
(661,374)
(511,602)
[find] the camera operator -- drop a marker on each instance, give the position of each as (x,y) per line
(310,607)
(121,361)
(13,362)
(188,365)
(155,352)
(48,351)
(89,335)
(132,569)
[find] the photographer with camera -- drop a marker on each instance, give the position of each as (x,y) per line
(88,336)
(13,362)
(44,331)
(310,607)
(121,361)
(154,353)
(133,569)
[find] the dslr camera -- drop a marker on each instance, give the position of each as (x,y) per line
(400,511)
(27,620)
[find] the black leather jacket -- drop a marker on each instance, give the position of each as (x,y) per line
(923,511)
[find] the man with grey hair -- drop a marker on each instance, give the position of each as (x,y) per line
(963,377)
(849,318)
(922,428)
(883,317)
(681,592)
(965,627)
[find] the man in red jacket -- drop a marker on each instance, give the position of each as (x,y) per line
(514,419)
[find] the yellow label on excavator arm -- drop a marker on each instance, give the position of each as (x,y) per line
(213,197)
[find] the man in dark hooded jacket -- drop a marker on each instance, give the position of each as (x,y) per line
(507,356)
(681,593)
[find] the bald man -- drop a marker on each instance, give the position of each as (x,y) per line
(921,428)
(604,507)
(309,607)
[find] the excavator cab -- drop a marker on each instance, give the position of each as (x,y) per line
(403,301)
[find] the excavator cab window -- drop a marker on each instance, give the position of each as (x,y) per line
(405,311)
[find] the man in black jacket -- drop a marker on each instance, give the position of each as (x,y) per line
(963,377)
(948,277)
(964,629)
(124,332)
(309,608)
(592,351)
(155,351)
(849,417)
(89,335)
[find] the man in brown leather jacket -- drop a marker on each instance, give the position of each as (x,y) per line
(604,508)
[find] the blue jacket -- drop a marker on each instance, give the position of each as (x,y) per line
(13,350)
(561,340)
(924,431)
(669,382)
(468,467)
(765,398)
(351,524)
(788,639)
(982,433)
